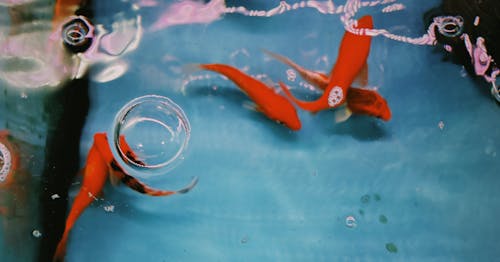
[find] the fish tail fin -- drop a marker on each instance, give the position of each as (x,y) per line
(368,102)
(190,186)
(342,114)
(142,188)
(60,252)
(82,201)
(189,69)
(285,60)
(362,77)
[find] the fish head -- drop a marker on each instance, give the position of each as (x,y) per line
(284,112)
(293,123)
(385,112)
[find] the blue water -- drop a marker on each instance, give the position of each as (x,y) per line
(268,194)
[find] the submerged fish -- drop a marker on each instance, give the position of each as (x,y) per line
(100,163)
(270,103)
(358,101)
(353,53)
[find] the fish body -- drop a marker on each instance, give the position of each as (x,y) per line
(270,103)
(99,165)
(353,53)
(368,102)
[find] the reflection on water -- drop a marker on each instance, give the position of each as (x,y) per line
(18,199)
(46,49)
(44,99)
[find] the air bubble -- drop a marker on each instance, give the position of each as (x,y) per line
(5,162)
(449,26)
(350,222)
(77,34)
(36,233)
(151,133)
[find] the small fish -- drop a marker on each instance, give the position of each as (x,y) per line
(100,163)
(353,53)
(270,103)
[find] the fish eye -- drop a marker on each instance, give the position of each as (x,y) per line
(77,34)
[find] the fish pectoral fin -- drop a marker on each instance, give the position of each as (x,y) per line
(342,114)
(114,177)
(190,186)
(269,82)
(251,106)
(362,77)
(189,69)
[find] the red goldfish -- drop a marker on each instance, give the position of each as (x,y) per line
(359,100)
(353,53)
(270,103)
(100,163)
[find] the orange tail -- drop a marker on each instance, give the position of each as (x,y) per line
(142,188)
(94,179)
(368,102)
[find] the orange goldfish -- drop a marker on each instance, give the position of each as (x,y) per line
(270,103)
(100,163)
(359,100)
(353,53)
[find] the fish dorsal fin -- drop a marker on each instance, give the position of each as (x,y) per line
(269,82)
(342,114)
(362,77)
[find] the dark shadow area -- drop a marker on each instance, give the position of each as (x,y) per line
(67,109)
(480,19)
(362,128)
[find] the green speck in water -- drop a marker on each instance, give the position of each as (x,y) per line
(365,199)
(391,247)
(377,197)
(382,219)
(361,212)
